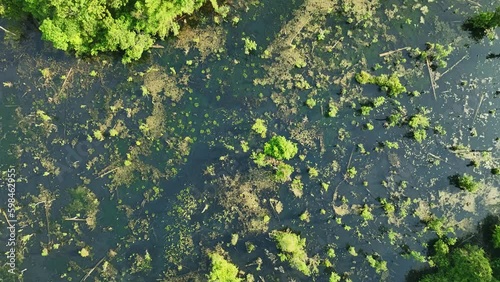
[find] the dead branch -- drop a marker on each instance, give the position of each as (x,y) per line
(394,51)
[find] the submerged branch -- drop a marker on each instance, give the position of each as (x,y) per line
(2,28)
(394,51)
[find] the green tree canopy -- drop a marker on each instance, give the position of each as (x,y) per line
(94,26)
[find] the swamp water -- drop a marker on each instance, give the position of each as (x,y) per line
(140,172)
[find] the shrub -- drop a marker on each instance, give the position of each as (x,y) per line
(280,148)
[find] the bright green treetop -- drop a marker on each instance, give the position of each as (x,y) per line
(280,148)
(94,26)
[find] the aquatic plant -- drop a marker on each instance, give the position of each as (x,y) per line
(260,127)
(366,212)
(310,102)
(465,182)
(280,148)
(389,208)
(390,84)
(142,263)
(483,24)
(297,187)
(283,172)
(250,45)
(334,277)
(495,171)
(379,265)
(435,54)
(365,110)
(378,101)
(369,126)
(419,121)
(222,270)
(332,109)
(305,216)
(351,172)
(420,135)
(84,252)
(313,172)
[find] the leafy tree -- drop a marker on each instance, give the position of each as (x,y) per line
(462,265)
(95,26)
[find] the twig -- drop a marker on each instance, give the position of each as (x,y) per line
(92,270)
(106,173)
(2,28)
(345,176)
(474,2)
(6,218)
(394,51)
(75,219)
(431,78)
(64,82)
(454,65)
(478,106)
(157,46)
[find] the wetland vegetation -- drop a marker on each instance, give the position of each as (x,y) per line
(314,140)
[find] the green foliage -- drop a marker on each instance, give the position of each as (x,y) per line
(379,265)
(142,263)
(495,171)
(293,251)
(466,182)
(250,45)
(483,24)
(391,145)
(280,148)
(283,172)
(390,84)
(378,101)
(461,265)
(260,127)
(369,126)
(313,172)
(259,159)
(334,277)
(496,237)
(222,270)
(310,102)
(365,110)
(351,172)
(419,121)
(420,135)
(394,119)
(434,53)
(389,208)
(91,27)
(332,109)
(366,213)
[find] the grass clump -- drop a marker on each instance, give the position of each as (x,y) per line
(333,109)
(222,270)
(280,148)
(292,248)
(250,45)
(310,102)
